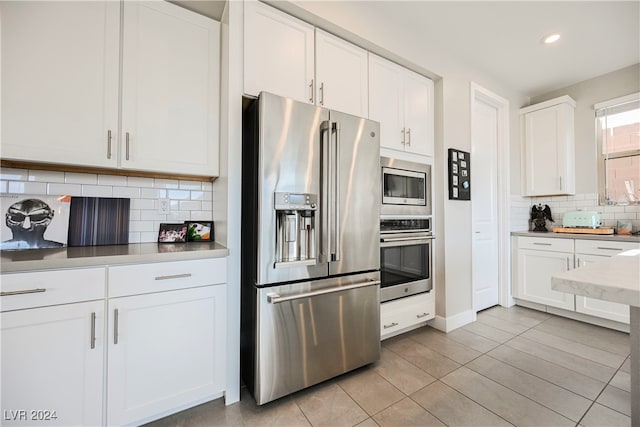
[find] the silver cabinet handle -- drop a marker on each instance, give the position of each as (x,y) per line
(173,276)
(609,249)
(391,325)
(568,263)
(409,137)
(542,244)
(578,262)
(115,326)
(92,341)
(127,143)
(402,133)
(561,183)
(26,291)
(311,90)
(322,93)
(275,298)
(420,316)
(109,144)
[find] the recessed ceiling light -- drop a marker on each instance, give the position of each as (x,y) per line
(551,38)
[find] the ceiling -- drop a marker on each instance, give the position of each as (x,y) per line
(500,38)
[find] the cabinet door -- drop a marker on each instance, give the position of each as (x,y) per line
(60,63)
(535,269)
(278,53)
(170,90)
(549,151)
(386,102)
(166,352)
(341,74)
(596,307)
(418,113)
(50,362)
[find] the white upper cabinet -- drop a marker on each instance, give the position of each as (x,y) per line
(170,90)
(278,53)
(341,75)
(60,86)
(60,64)
(548,147)
(403,102)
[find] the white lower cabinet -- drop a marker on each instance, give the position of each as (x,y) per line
(164,352)
(405,313)
(52,356)
(539,258)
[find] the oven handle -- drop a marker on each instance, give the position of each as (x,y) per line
(275,298)
(404,241)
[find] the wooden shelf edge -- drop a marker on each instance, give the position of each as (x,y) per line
(17,164)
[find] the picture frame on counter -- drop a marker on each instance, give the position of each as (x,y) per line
(200,231)
(172,233)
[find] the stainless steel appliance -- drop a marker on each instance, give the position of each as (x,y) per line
(310,259)
(405,257)
(406,187)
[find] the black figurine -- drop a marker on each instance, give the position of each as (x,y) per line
(539,215)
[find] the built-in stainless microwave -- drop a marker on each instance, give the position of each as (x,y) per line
(406,187)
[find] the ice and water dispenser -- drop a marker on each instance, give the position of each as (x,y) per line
(295,228)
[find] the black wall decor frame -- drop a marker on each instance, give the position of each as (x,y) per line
(97,221)
(459,175)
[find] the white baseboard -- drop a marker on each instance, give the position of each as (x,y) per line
(448,324)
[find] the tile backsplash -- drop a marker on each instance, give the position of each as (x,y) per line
(188,200)
(521,206)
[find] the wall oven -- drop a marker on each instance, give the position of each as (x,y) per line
(405,257)
(406,187)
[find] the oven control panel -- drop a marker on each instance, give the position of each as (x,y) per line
(405,225)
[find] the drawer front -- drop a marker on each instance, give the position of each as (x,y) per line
(546,244)
(157,277)
(604,247)
(404,312)
(51,287)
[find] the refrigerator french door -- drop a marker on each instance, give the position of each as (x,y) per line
(310,258)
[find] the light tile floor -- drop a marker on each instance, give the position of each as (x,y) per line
(511,367)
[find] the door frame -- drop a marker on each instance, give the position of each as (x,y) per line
(479,94)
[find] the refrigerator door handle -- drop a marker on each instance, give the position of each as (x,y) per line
(276,298)
(335,209)
(325,194)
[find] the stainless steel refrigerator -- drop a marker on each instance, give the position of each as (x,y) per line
(310,255)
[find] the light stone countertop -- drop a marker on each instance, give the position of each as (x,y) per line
(580,236)
(95,256)
(615,279)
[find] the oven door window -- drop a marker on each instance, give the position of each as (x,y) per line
(404,264)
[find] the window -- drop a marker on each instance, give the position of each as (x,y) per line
(618,138)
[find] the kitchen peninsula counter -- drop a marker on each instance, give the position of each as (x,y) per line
(580,236)
(92,256)
(615,279)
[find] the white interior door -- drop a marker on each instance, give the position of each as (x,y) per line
(485,251)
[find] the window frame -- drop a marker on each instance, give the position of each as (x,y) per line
(601,110)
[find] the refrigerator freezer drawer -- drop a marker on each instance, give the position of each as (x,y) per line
(309,336)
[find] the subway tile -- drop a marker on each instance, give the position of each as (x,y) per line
(201,215)
(136,181)
(128,192)
(134,237)
(626,215)
(197,195)
(152,216)
(28,187)
(4,186)
(141,226)
(114,180)
(207,186)
(134,214)
(174,205)
(142,204)
(178,216)
(97,191)
(45,176)
(149,236)
(59,189)
(576,197)
(153,193)
(613,209)
(190,205)
(207,206)
(80,178)
(11,174)
(632,209)
(179,194)
(189,185)
(169,184)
